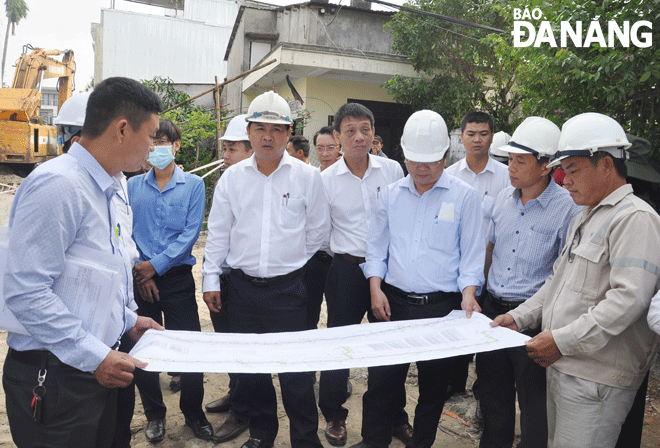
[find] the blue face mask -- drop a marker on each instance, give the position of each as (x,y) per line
(161,156)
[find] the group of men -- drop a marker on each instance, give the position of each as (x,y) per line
(283,234)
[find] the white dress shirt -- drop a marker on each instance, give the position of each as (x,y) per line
(265,226)
(427,243)
(353,201)
(65,202)
(488,183)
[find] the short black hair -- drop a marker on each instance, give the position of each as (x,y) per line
(354,110)
(300,142)
(168,129)
(119,97)
(619,164)
(478,117)
(325,130)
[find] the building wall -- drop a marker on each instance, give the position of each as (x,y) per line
(142,46)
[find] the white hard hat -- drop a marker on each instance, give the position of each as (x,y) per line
(425,137)
(269,107)
(72,112)
(536,136)
(587,133)
(236,129)
(499,139)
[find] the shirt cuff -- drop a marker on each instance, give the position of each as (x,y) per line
(464,282)
(159,264)
(211,283)
(130,318)
(374,269)
(89,354)
(566,342)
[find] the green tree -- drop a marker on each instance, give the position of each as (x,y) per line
(197,126)
(623,82)
(16,11)
(460,69)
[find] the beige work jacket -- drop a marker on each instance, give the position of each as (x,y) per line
(596,301)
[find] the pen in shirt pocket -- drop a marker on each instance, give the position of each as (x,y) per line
(377,192)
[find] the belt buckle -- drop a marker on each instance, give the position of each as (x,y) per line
(259,281)
(418,299)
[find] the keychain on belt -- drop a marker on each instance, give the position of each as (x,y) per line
(39,391)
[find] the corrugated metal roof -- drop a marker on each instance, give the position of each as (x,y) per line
(142,46)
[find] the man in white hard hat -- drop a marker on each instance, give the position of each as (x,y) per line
(237,147)
(526,235)
(353,186)
(595,341)
(236,143)
(269,216)
(500,139)
(424,259)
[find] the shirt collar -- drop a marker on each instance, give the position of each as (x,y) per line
(374,163)
(443,182)
(617,195)
(177,176)
(100,176)
(463,165)
(285,160)
(545,197)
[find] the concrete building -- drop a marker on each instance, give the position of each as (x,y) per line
(186,43)
(331,54)
(49,99)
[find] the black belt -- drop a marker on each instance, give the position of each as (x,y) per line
(323,255)
(267,282)
(176,271)
(501,305)
(420,299)
(352,258)
(32,357)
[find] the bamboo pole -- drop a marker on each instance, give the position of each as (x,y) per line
(242,75)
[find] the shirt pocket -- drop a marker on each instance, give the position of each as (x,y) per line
(587,268)
(291,213)
(536,247)
(175,218)
(487,205)
(443,236)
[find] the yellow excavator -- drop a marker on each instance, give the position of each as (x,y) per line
(25,140)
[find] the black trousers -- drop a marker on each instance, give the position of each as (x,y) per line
(631,431)
(501,374)
(348,299)
(274,308)
(77,411)
(178,307)
(220,322)
(379,403)
(316,272)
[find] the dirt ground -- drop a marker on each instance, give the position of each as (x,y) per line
(456,426)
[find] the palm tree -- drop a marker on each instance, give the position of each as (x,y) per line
(16,11)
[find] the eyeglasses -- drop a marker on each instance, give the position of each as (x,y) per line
(577,237)
(424,164)
(327,148)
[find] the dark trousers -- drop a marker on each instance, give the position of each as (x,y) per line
(178,306)
(316,273)
(501,374)
(348,299)
(125,404)
(379,403)
(76,410)
(273,308)
(220,322)
(631,431)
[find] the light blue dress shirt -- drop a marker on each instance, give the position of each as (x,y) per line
(64,202)
(166,223)
(528,239)
(430,242)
